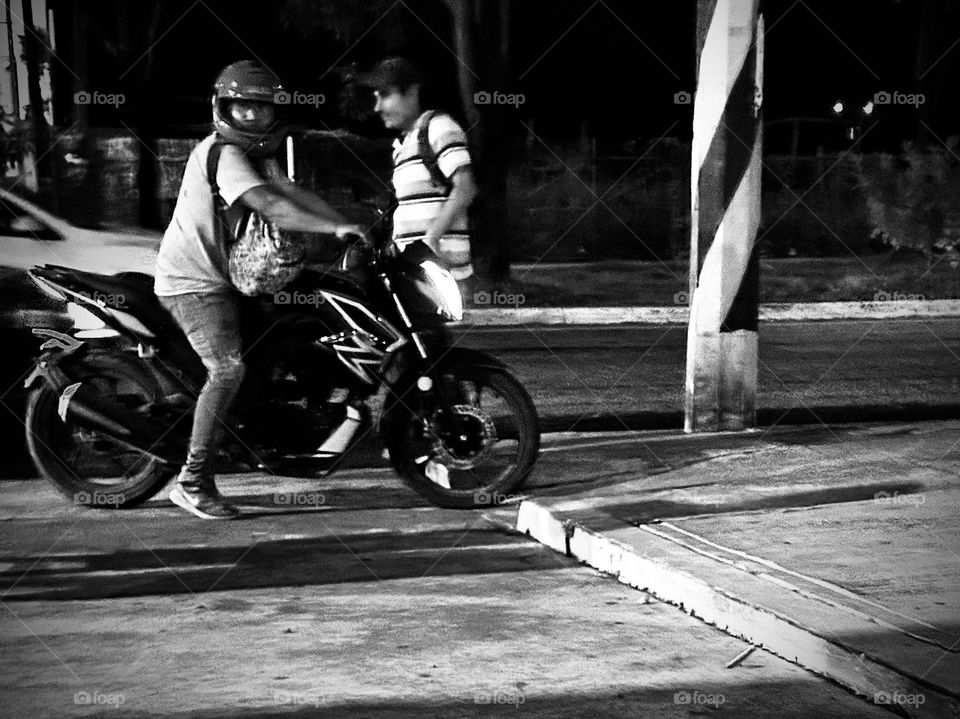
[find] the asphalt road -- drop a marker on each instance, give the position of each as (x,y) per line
(589,378)
(631,377)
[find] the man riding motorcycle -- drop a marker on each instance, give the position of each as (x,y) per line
(192,278)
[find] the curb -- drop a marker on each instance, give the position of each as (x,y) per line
(679,315)
(765,611)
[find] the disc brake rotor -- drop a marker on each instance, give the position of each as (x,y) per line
(465,439)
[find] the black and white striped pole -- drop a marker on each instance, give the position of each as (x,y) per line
(721,377)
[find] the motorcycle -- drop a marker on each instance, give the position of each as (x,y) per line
(361,348)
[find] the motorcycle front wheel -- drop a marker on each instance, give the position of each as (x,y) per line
(473,450)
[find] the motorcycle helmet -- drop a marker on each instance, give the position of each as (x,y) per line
(249,80)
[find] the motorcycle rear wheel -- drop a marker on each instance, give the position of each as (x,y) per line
(476,454)
(91,469)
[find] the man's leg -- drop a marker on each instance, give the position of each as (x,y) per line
(212,325)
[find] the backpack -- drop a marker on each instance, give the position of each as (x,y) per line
(460,264)
(429,157)
(261,258)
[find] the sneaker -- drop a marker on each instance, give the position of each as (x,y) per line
(201,502)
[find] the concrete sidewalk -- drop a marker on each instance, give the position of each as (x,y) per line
(837,548)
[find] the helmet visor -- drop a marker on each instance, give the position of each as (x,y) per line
(251,115)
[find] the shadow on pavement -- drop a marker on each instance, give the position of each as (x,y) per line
(271,563)
(702,501)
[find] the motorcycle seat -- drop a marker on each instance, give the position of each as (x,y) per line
(130,291)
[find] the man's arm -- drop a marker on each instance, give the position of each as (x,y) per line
(461,195)
(310,201)
(287,214)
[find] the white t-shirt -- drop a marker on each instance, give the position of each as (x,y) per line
(190,259)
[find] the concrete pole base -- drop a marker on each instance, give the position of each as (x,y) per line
(723,393)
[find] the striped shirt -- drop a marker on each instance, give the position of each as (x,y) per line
(420,200)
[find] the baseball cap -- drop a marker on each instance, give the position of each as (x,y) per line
(392,72)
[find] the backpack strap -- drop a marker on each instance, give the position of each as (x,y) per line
(221,226)
(429,157)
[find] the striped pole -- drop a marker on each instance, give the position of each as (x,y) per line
(721,377)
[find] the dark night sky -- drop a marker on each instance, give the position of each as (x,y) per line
(615,64)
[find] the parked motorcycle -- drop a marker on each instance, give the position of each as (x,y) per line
(109,413)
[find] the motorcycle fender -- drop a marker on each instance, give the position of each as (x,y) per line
(57,347)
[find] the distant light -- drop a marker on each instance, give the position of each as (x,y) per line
(837,108)
(868,108)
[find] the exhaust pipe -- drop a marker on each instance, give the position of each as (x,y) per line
(81,405)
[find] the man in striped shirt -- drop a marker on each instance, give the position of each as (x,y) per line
(432,206)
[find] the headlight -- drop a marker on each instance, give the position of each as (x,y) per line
(446,290)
